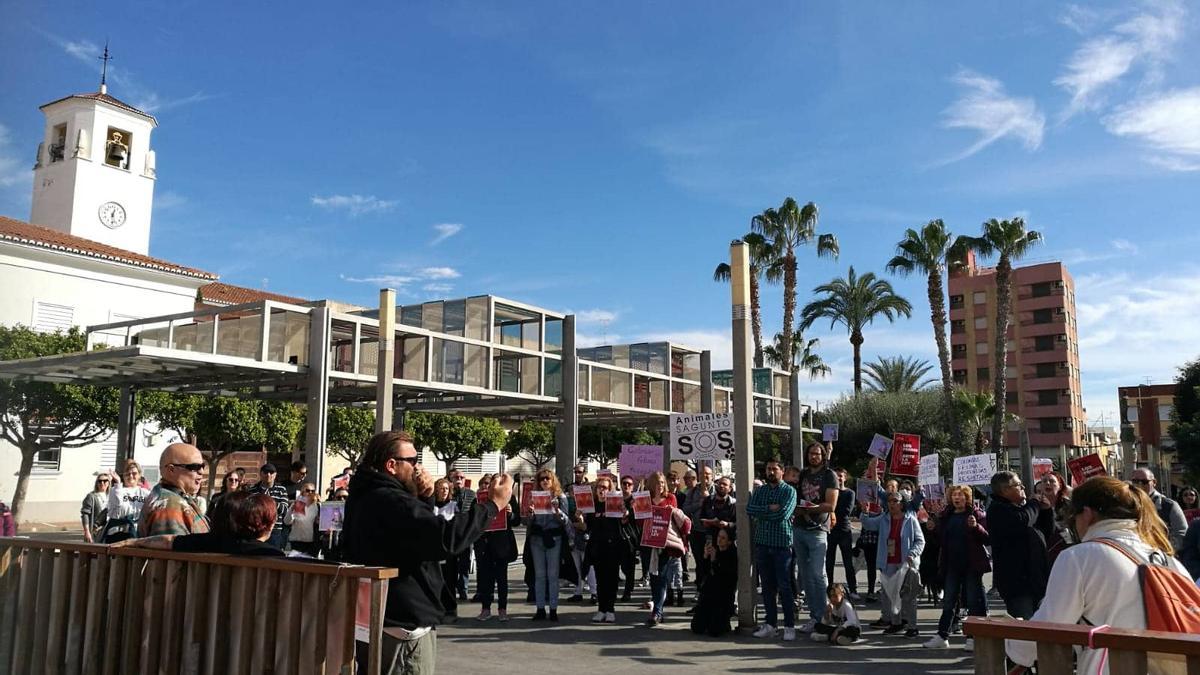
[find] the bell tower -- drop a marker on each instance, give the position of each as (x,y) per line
(94,175)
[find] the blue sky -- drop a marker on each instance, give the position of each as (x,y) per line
(598,158)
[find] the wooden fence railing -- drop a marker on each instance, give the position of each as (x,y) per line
(70,609)
(1127,648)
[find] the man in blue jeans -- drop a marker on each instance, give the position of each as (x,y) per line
(771,507)
(818,497)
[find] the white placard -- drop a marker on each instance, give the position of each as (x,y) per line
(974,469)
(702,436)
(927,472)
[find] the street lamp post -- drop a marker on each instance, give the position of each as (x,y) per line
(743,429)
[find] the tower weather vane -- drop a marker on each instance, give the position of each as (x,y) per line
(104,69)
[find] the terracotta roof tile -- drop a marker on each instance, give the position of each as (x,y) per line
(20,232)
(227,294)
(105,98)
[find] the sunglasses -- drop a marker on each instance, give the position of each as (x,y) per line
(102,480)
(191,467)
(543,478)
(413,461)
(1140,481)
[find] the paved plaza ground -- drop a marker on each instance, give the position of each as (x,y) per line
(628,646)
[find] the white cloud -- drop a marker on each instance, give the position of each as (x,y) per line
(12,171)
(445,231)
(432,279)
(1125,246)
(1168,123)
(388,280)
(1079,18)
(356,204)
(437,288)
(985,107)
(124,85)
(438,273)
(603,316)
(1146,39)
(169,199)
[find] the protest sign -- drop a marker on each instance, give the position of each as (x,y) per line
(1042,467)
(906,455)
(614,505)
(527,497)
(300,505)
(654,534)
(880,446)
(332,515)
(1083,468)
(935,496)
(927,474)
(698,436)
(867,492)
(583,498)
(640,460)
(543,503)
(829,432)
(500,522)
(641,505)
(974,469)
(341,482)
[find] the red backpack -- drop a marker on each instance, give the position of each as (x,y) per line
(1171,600)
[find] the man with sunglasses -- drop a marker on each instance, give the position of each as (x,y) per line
(1169,511)
(170,507)
(390,522)
(1020,563)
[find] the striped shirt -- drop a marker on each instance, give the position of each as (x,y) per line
(772,528)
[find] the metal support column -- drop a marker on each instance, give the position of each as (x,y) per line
(126,425)
(743,426)
(706,393)
(566,436)
(387,358)
(796,419)
(318,394)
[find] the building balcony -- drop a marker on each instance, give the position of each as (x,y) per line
(1027,293)
(1033,382)
(1061,408)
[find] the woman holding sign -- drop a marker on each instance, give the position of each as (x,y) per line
(667,566)
(494,550)
(607,545)
(963,560)
(546,519)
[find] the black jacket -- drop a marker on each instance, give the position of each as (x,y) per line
(388,526)
(501,544)
(1019,561)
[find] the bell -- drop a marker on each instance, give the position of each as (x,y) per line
(117,154)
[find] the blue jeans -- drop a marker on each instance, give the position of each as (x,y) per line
(810,548)
(960,582)
(772,563)
(660,582)
(545,571)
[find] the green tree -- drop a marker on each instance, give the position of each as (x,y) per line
(1010,241)
(283,426)
(1185,418)
(927,252)
(454,437)
(900,373)
(788,228)
(533,442)
(764,265)
(39,416)
(859,418)
(602,444)
(805,358)
(855,302)
(975,410)
(350,429)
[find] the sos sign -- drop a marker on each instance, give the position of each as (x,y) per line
(702,436)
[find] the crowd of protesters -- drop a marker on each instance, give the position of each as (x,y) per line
(433,530)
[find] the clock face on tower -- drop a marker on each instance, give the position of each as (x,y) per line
(112,215)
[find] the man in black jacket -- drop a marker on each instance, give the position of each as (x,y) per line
(1018,548)
(390,522)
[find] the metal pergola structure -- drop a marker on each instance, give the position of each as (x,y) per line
(481,355)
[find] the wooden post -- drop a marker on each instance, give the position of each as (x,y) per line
(989,656)
(1126,662)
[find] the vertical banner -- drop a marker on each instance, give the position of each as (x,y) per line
(906,455)
(880,446)
(928,472)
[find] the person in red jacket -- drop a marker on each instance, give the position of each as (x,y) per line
(8,527)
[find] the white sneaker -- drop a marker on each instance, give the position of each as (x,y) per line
(610,617)
(807,626)
(969,645)
(817,637)
(789,634)
(765,631)
(598,617)
(936,642)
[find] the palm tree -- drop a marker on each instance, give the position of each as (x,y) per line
(976,409)
(855,302)
(764,264)
(1011,241)
(804,356)
(926,252)
(787,228)
(897,375)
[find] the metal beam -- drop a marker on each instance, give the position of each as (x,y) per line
(126,424)
(318,393)
(385,370)
(566,445)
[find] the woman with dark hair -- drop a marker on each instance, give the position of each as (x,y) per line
(445,506)
(607,548)
(243,528)
(1097,581)
(719,591)
(493,553)
(232,482)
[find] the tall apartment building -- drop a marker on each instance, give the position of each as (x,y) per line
(1043,350)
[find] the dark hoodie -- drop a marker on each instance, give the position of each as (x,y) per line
(388,526)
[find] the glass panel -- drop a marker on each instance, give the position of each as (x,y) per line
(507,372)
(510,334)
(412,358)
(785,413)
(475,368)
(622,391)
(239,337)
(720,402)
(477,318)
(288,338)
(530,374)
(691,398)
(553,376)
(677,397)
(658,394)
(454,317)
(641,391)
(583,384)
(531,334)
(620,355)
(431,317)
(601,385)
(411,315)
(723,378)
(554,336)
(762,380)
(447,361)
(762,411)
(781,386)
(368,362)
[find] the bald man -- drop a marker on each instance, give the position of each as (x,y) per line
(1169,511)
(170,507)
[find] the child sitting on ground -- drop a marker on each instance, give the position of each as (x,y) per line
(839,625)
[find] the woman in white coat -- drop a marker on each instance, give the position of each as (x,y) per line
(1093,583)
